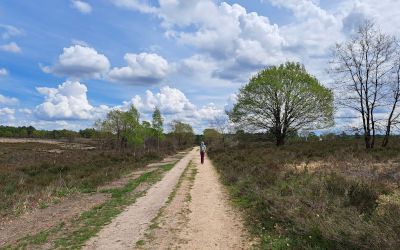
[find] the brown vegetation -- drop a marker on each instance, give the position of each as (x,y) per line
(320,194)
(33,175)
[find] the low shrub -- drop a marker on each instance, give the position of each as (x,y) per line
(32,172)
(315,195)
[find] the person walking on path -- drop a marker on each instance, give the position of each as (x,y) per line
(202,151)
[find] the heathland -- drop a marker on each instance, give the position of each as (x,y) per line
(330,194)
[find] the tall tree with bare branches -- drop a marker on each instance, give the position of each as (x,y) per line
(363,67)
(394,97)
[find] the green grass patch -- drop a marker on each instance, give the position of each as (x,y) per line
(192,177)
(91,222)
(140,243)
(35,240)
(168,167)
(156,220)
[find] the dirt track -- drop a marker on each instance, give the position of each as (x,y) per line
(213,223)
(34,222)
(199,215)
(130,226)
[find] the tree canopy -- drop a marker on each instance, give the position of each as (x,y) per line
(183,132)
(283,98)
(158,123)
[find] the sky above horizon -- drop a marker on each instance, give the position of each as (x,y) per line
(66,63)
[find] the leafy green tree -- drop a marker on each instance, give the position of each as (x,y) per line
(212,136)
(30,130)
(88,133)
(112,124)
(148,132)
(125,126)
(283,98)
(132,129)
(183,132)
(157,124)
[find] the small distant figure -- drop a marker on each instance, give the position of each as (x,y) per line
(202,151)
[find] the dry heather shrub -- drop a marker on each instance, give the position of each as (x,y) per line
(345,203)
(31,176)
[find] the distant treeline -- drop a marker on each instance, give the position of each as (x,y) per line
(120,130)
(32,132)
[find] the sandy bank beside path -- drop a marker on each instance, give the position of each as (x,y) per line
(29,140)
(33,222)
(41,219)
(130,226)
(213,223)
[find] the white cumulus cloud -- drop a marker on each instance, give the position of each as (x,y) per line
(143,68)
(8,100)
(80,61)
(169,100)
(174,105)
(240,42)
(11,47)
(81,6)
(67,102)
(9,113)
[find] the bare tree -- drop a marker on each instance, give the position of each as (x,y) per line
(362,68)
(222,124)
(394,115)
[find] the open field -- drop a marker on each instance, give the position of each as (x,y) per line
(180,205)
(36,174)
(316,195)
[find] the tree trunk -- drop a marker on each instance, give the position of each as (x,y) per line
(280,139)
(386,138)
(367,138)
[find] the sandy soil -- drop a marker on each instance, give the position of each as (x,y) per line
(38,220)
(31,223)
(130,226)
(28,140)
(199,217)
(164,233)
(213,223)
(61,143)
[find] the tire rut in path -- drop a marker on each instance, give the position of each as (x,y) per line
(172,218)
(130,226)
(205,221)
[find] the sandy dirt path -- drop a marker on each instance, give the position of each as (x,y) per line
(130,226)
(199,216)
(213,223)
(13,229)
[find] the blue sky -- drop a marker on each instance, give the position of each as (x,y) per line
(66,63)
